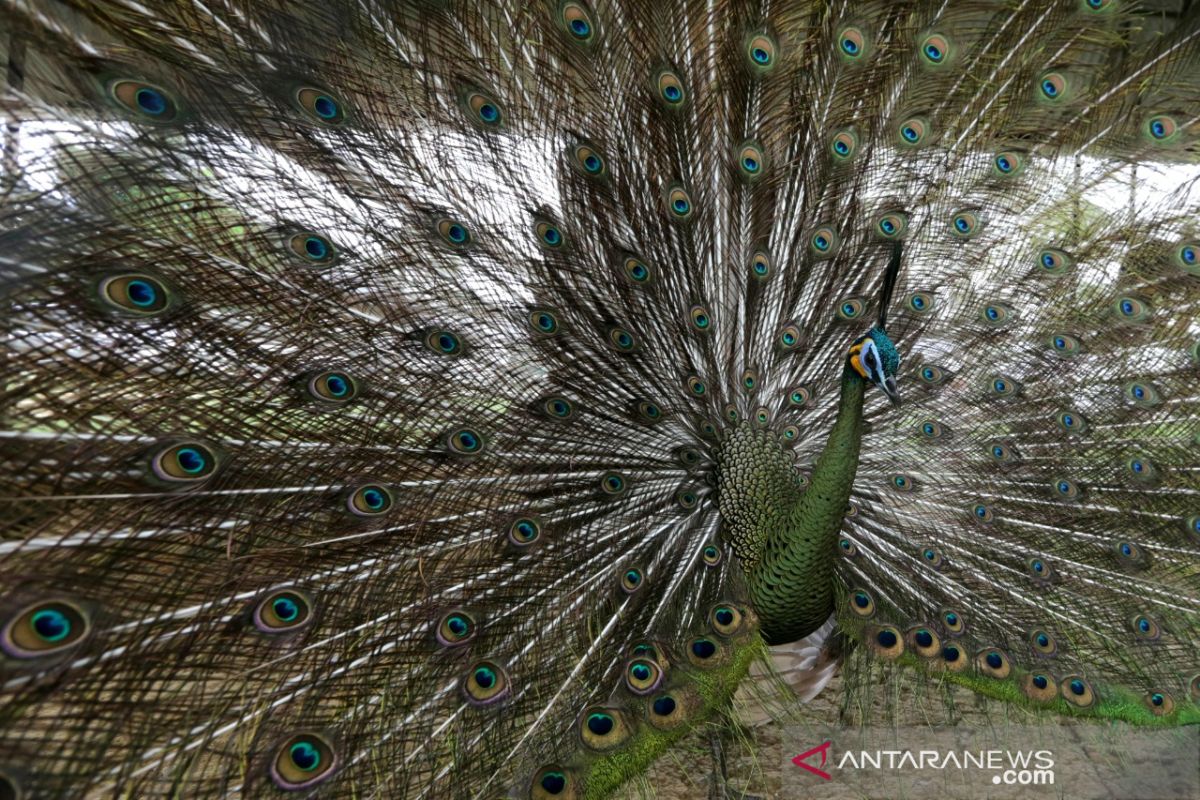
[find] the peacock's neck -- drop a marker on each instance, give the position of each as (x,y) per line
(784,534)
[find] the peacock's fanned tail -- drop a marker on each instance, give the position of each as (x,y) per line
(409,399)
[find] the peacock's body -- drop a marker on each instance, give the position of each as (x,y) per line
(431,400)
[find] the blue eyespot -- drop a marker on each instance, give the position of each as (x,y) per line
(760,55)
(285,608)
(600,724)
(932,53)
(485,677)
(664,706)
(1077,687)
(141,293)
(151,101)
(524,531)
(304,756)
(1040,681)
(1049,88)
(703,648)
(886,638)
(51,625)
(190,460)
(673,94)
(923,638)
(994,660)
(325,106)
(580,28)
(841,147)
(750,164)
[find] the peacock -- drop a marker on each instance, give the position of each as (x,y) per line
(441,399)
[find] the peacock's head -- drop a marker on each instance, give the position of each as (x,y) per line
(875,358)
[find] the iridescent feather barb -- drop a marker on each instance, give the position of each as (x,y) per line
(451,400)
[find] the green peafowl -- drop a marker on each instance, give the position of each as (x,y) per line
(453,400)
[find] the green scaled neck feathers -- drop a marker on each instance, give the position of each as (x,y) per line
(784,534)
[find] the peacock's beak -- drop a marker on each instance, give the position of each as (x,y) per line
(889,388)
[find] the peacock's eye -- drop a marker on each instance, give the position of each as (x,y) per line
(670,89)
(543,322)
(751,160)
(1161,128)
(852,44)
(524,531)
(861,603)
(320,105)
(370,500)
(454,232)
(643,675)
(302,761)
(638,271)
(443,342)
(631,580)
(589,161)
(964,224)
(844,145)
(283,611)
(679,203)
(43,629)
(579,21)
(481,108)
(455,628)
(761,51)
(548,235)
(1052,86)
(823,242)
(935,49)
(464,442)
(914,131)
(485,683)
(144,101)
(613,484)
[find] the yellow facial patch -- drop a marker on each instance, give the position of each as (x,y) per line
(856,361)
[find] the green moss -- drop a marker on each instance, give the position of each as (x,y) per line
(1114,702)
(716,688)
